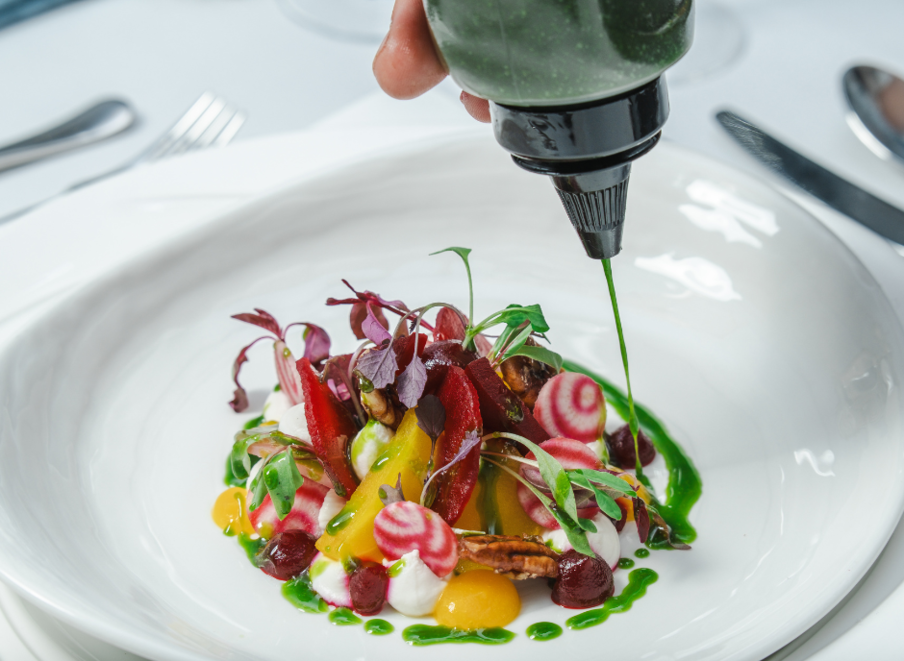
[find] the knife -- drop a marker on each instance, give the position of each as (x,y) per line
(851,200)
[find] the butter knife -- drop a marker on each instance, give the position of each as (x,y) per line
(840,194)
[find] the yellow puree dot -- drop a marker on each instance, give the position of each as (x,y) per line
(230,514)
(478,600)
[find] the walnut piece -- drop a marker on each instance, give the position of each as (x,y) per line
(526,376)
(515,557)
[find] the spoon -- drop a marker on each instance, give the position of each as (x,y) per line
(876,101)
(100,121)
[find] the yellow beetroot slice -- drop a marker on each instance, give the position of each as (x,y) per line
(404,526)
(572,405)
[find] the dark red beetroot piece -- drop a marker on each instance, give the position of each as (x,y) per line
(449,326)
(582,582)
(439,356)
(367,587)
(620,524)
(621,447)
(454,486)
(331,427)
(286,554)
(501,409)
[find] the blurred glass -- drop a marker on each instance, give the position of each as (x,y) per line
(360,21)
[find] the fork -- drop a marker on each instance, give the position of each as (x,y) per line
(209,122)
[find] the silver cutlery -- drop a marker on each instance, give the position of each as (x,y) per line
(209,122)
(99,122)
(876,101)
(840,194)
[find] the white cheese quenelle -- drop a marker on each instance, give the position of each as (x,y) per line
(367,446)
(604,542)
(276,406)
(293,423)
(413,587)
(332,505)
(329,580)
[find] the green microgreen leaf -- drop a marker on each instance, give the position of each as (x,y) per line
(258,490)
(541,354)
(463,253)
(555,477)
(239,460)
(606,479)
(606,502)
(282,479)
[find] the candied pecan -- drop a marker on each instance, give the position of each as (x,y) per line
(515,557)
(526,376)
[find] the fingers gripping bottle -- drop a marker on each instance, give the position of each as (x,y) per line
(575,88)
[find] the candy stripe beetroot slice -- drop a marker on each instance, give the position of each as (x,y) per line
(572,405)
(303,515)
(500,408)
(571,454)
(331,428)
(404,526)
(454,486)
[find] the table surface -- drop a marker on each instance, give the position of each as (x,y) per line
(778,62)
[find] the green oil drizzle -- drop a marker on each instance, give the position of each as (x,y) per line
(633,424)
(641,553)
(343,617)
(251,546)
(378,627)
(638,580)
(338,522)
(544,631)
(424,634)
(684,486)
(300,594)
(626,563)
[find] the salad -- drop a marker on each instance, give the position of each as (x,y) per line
(440,463)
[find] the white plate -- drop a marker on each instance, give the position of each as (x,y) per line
(761,342)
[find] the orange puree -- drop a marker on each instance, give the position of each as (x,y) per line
(477,600)
(230,514)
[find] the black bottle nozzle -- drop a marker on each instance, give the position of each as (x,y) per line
(587,151)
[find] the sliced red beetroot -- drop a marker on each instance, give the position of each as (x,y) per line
(303,515)
(572,405)
(449,326)
(403,526)
(571,454)
(500,408)
(439,356)
(404,349)
(454,486)
(331,427)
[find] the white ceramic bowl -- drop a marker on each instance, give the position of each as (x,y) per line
(754,335)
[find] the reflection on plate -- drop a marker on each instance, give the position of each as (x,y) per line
(772,361)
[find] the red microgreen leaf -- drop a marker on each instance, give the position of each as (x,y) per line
(390,495)
(374,329)
(642,518)
(378,365)
(263,320)
(240,398)
(431,416)
(471,440)
(411,382)
(316,343)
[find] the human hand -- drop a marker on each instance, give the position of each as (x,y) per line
(407,64)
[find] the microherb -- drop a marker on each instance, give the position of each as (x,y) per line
(390,495)
(278,476)
(317,348)
(463,253)
(411,382)
(378,365)
(366,303)
(472,439)
(431,418)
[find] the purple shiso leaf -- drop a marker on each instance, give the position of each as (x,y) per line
(316,343)
(373,329)
(411,382)
(642,518)
(262,319)
(289,379)
(431,416)
(378,366)
(240,398)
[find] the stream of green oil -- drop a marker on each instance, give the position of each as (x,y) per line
(638,580)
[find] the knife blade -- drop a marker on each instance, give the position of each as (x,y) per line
(840,194)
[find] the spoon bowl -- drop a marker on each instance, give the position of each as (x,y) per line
(876,101)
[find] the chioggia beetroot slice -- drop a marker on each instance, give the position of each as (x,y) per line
(404,526)
(572,405)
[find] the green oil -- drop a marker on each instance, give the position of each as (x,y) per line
(300,594)
(638,580)
(343,617)
(378,627)
(542,631)
(626,563)
(338,522)
(424,634)
(641,553)
(684,487)
(251,546)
